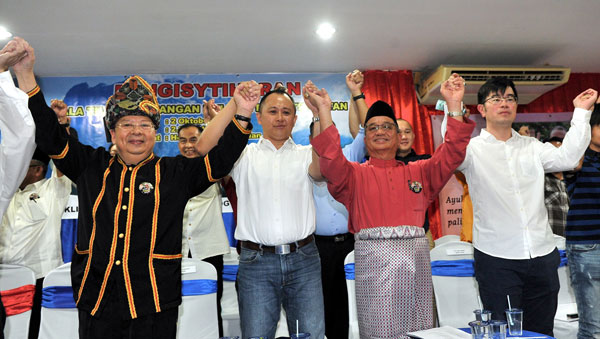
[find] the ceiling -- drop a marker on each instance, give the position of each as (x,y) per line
(77,38)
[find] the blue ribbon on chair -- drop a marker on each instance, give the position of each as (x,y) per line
(58,297)
(453,268)
(230,272)
(349,269)
(198,287)
(563,258)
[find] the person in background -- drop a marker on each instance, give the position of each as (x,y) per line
(582,233)
(332,237)
(556,197)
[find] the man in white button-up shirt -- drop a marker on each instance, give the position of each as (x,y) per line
(279,261)
(18,132)
(515,253)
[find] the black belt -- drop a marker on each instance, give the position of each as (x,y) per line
(335,238)
(279,249)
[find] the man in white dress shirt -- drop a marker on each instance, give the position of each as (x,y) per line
(17,133)
(515,252)
(279,261)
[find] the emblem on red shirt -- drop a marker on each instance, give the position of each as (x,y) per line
(146,187)
(415,186)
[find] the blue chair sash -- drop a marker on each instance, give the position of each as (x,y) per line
(563,258)
(58,297)
(349,269)
(453,268)
(230,272)
(198,287)
(62,296)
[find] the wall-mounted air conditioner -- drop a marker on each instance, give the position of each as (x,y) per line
(531,82)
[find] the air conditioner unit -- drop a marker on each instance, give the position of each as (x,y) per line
(531,82)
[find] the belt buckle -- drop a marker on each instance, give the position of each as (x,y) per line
(338,238)
(282,249)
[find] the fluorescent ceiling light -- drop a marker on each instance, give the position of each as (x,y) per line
(4,34)
(325,31)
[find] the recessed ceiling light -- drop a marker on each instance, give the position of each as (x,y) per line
(4,34)
(325,31)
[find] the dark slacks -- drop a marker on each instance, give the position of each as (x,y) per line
(36,310)
(217,262)
(531,283)
(112,321)
(333,251)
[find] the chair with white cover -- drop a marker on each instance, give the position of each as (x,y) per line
(456,294)
(446,238)
(59,318)
(564,327)
(20,280)
(230,312)
(198,309)
(353,331)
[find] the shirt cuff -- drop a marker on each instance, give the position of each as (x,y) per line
(327,139)
(580,114)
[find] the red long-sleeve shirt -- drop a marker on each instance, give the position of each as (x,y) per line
(378,192)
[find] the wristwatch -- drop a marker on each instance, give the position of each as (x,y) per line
(456,114)
(315,119)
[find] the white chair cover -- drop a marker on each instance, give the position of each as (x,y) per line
(198,313)
(455,297)
(446,238)
(14,276)
(353,331)
(59,322)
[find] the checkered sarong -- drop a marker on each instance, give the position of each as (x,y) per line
(394,294)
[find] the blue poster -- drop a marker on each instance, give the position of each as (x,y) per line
(180,97)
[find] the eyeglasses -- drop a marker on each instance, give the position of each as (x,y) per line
(387,127)
(128,126)
(496,100)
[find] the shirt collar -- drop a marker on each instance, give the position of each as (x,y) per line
(265,143)
(383,163)
(490,137)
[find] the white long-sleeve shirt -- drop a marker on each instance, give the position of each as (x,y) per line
(30,229)
(18,139)
(506,184)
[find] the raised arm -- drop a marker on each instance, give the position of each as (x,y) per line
(218,122)
(319,103)
(576,141)
(16,126)
(358,108)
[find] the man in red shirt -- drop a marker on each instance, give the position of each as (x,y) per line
(387,200)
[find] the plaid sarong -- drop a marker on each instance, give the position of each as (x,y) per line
(394,293)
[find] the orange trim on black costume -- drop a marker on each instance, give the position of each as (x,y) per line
(153,237)
(34,91)
(93,235)
(242,129)
(113,246)
(208,170)
(62,154)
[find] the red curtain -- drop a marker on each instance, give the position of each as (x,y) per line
(397,89)
(561,98)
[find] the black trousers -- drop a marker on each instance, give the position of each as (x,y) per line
(112,324)
(217,262)
(333,251)
(36,310)
(532,285)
